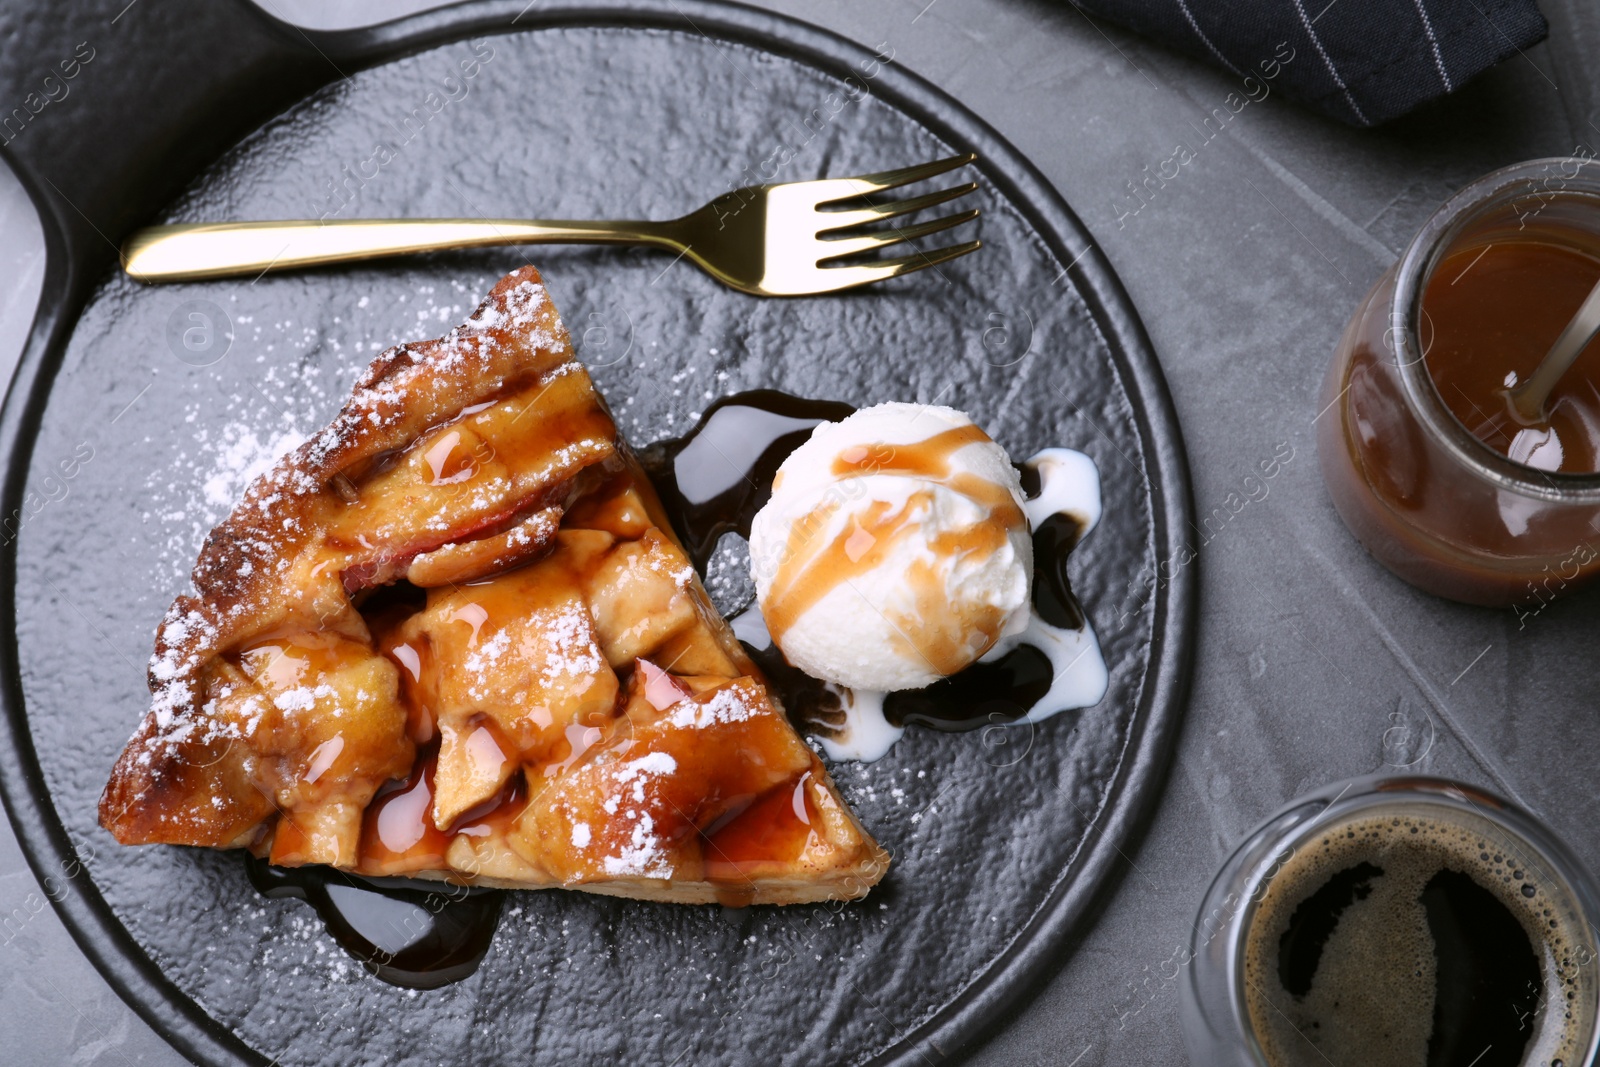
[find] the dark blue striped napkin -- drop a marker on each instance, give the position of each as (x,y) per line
(1359,61)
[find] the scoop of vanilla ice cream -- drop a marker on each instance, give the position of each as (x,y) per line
(895,549)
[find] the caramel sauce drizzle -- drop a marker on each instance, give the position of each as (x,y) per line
(811,570)
(928,458)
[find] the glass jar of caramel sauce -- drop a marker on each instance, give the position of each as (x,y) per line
(1426,460)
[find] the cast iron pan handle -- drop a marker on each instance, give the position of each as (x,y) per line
(108,108)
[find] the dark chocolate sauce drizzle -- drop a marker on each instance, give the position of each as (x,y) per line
(420,935)
(1053,542)
(1001,690)
(716,477)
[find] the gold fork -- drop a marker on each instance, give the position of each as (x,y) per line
(770,240)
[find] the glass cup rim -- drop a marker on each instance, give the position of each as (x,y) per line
(1312,814)
(1416,265)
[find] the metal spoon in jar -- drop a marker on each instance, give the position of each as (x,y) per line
(1528,399)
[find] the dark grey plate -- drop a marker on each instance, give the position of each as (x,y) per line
(1001,838)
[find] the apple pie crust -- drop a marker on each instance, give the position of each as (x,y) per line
(454,636)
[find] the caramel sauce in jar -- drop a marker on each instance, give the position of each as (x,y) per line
(1420,450)
(1491,312)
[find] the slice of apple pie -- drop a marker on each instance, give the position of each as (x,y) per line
(454,636)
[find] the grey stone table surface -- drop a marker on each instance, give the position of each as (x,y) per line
(1313,664)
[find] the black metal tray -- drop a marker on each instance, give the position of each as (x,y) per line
(125,437)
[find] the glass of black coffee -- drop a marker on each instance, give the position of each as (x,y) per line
(1402,921)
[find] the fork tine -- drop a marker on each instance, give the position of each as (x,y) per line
(851,217)
(892,179)
(838,247)
(866,274)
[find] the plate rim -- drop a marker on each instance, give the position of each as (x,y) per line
(1140,778)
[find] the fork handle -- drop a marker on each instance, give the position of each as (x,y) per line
(232,249)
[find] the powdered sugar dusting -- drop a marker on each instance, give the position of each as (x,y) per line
(243,457)
(303,698)
(208,480)
(727,705)
(650,763)
(172,672)
(572,650)
(560,648)
(645,855)
(480,664)
(305,371)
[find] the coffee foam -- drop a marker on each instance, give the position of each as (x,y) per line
(1371,1000)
